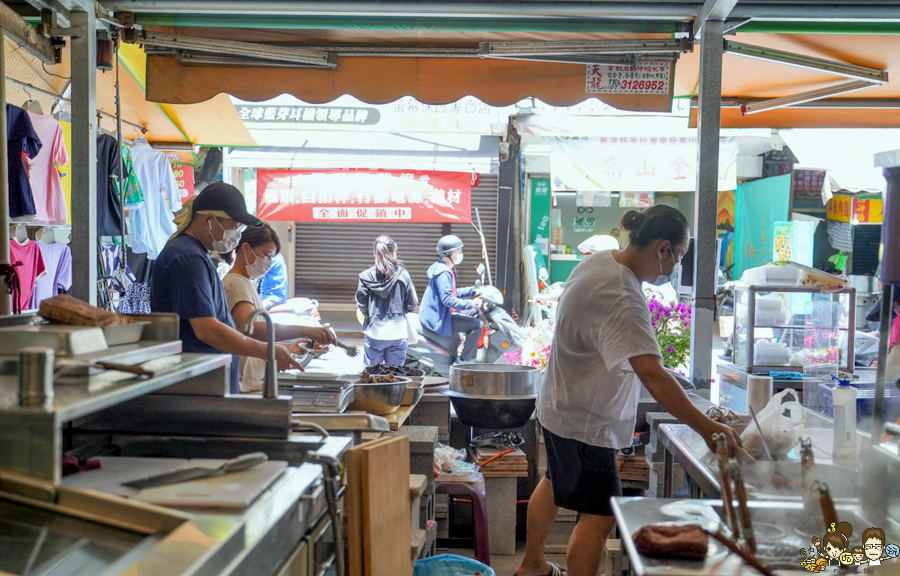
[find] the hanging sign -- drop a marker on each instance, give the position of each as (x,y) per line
(869,211)
(355,115)
(184,177)
(540,215)
(364,195)
(635,163)
(807,184)
(645,78)
(636,199)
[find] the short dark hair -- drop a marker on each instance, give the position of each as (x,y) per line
(256,237)
(869,533)
(660,221)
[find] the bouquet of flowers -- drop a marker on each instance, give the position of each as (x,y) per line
(536,350)
(672,324)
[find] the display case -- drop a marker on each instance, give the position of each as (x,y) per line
(793,328)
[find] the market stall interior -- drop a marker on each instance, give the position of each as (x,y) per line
(526,130)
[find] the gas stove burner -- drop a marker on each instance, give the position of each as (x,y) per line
(502,440)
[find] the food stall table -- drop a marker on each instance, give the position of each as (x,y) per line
(686,447)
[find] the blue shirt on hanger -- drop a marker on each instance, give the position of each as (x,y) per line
(22,145)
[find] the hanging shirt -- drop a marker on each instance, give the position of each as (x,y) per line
(23,144)
(184,281)
(109,206)
(134,197)
(58,263)
(31,269)
(46,184)
(153,223)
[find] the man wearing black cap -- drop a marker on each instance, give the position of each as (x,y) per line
(185,281)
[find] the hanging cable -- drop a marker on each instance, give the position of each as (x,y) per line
(121,176)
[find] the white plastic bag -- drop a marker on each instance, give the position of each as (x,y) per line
(781,423)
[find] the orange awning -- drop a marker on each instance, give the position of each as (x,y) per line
(382,80)
(743,78)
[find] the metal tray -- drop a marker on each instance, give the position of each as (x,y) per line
(124,333)
(64,340)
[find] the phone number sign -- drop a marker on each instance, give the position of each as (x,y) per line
(645,78)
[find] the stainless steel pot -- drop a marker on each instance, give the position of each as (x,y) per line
(499,380)
(379,399)
(492,412)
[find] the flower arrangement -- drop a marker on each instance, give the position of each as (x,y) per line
(672,324)
(536,350)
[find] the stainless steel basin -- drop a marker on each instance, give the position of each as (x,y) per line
(843,483)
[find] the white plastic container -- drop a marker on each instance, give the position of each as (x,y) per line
(844,396)
(771,354)
(759,392)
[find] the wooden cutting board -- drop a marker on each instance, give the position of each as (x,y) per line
(234,490)
(386,515)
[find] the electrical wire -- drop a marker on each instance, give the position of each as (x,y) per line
(44,66)
(497,456)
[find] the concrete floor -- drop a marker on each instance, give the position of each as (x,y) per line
(506,565)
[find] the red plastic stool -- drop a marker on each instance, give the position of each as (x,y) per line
(475,491)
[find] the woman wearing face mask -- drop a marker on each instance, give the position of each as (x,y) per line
(251,260)
(604,348)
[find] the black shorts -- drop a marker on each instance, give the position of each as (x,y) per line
(584,477)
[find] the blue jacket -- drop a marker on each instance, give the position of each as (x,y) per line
(434,310)
(273,287)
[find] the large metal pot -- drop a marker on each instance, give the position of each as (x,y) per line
(498,380)
(492,412)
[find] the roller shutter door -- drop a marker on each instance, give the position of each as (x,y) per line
(330,256)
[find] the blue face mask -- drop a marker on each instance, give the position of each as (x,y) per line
(663,279)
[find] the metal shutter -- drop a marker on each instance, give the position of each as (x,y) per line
(329,256)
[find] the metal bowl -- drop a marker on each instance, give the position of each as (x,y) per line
(494,379)
(414,391)
(379,399)
(492,412)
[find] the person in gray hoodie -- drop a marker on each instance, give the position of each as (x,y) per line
(384,296)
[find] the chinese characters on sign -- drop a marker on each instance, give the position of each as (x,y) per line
(309,114)
(184,177)
(364,195)
(645,78)
(634,163)
(844,208)
(807,184)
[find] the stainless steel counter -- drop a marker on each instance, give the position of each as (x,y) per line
(687,447)
(775,525)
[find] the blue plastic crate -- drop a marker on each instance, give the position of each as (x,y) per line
(865,401)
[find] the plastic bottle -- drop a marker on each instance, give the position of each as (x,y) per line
(845,446)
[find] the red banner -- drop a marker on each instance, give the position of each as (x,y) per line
(364,195)
(184,177)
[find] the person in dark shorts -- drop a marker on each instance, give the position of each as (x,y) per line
(604,348)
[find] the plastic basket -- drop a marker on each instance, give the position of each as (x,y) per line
(865,401)
(451,565)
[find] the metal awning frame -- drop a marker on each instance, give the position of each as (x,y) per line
(860,77)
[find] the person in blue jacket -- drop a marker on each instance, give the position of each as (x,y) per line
(273,287)
(445,309)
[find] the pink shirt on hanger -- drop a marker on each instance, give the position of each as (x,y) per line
(46,184)
(32,268)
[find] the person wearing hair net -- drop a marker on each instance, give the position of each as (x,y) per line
(184,279)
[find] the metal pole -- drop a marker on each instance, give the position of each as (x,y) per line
(705,203)
(887,305)
(5,303)
(122,176)
(84,158)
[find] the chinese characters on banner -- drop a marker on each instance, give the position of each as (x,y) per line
(845,208)
(184,177)
(645,78)
(364,195)
(309,114)
(807,184)
(635,163)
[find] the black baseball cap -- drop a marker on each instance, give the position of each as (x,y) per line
(221,197)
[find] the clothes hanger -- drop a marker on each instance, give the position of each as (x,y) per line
(20,234)
(34,107)
(46,235)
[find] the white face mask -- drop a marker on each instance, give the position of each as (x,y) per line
(259,267)
(664,278)
(230,238)
(458,260)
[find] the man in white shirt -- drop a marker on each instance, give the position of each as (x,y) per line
(604,347)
